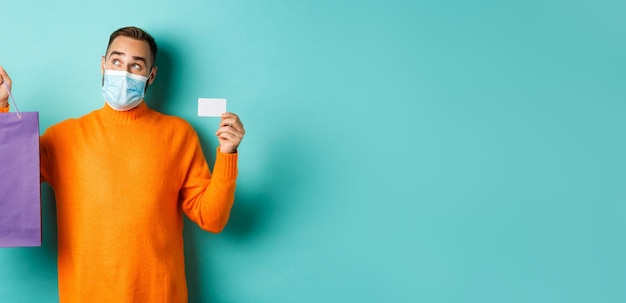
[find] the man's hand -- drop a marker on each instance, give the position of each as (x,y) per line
(230,133)
(4,94)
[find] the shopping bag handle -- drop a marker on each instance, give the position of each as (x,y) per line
(19,116)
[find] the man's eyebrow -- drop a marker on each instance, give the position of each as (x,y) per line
(117,53)
(138,58)
(142,59)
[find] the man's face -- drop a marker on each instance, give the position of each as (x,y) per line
(129,55)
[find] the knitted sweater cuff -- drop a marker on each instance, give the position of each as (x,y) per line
(225,165)
(4,109)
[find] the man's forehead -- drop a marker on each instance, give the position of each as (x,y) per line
(127,46)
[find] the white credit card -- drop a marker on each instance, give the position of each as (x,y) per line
(211,107)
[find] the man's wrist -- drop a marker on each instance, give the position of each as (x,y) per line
(4,104)
(226,151)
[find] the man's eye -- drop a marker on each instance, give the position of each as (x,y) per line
(136,66)
(116,62)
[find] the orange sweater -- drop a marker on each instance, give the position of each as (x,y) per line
(122,181)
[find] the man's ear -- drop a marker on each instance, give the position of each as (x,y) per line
(102,65)
(152,75)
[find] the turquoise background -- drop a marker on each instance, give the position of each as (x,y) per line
(396,151)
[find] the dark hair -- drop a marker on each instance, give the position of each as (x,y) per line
(135,33)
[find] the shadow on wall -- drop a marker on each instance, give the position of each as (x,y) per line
(160,91)
(258,213)
(49,223)
(258,207)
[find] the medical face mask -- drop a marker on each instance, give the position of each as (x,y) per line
(122,90)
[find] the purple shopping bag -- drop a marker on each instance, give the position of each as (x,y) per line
(20,189)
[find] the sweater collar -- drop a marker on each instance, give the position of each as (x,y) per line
(134,114)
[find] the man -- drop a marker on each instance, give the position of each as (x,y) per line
(122,177)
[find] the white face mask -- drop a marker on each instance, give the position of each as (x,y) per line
(122,90)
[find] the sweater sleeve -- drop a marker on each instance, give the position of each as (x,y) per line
(4,109)
(208,198)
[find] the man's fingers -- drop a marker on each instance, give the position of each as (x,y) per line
(232,123)
(4,76)
(229,130)
(5,87)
